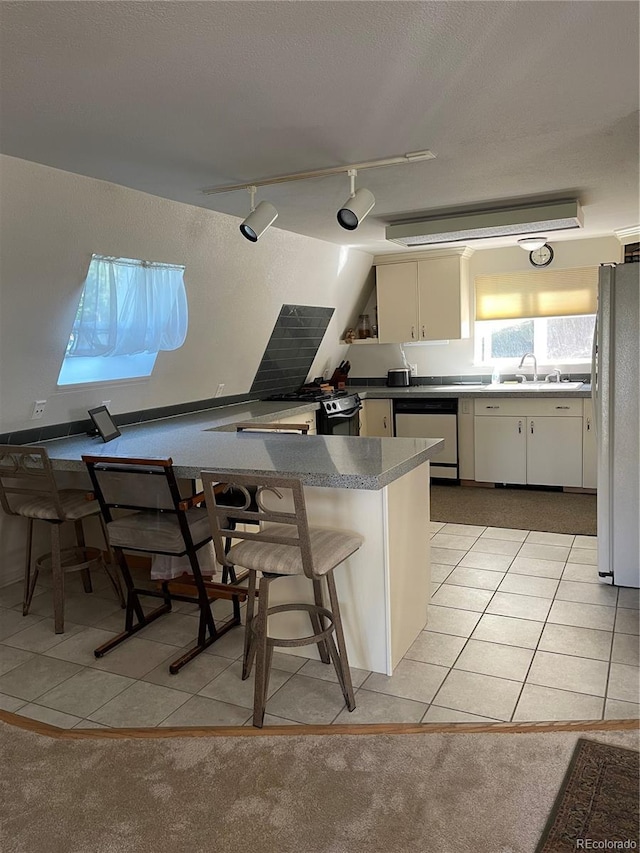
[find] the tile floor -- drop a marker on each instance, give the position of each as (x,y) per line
(519,629)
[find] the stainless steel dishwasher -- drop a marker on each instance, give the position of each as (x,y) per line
(431,418)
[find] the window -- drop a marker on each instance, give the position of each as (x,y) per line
(129,310)
(564,340)
(549,313)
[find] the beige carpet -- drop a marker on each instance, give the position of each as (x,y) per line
(523,509)
(407,793)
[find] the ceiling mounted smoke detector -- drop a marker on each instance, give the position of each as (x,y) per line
(502,222)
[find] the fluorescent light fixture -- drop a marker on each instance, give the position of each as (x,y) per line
(503,222)
(530,244)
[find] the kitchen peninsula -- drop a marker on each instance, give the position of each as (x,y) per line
(378,487)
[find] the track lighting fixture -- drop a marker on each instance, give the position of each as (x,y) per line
(260,218)
(357,206)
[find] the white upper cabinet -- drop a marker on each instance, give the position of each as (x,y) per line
(423,300)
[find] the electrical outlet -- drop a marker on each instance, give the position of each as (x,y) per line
(414,369)
(106,403)
(38,409)
(220,389)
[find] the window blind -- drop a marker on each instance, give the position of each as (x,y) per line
(540,293)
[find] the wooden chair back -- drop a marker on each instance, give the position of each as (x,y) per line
(26,472)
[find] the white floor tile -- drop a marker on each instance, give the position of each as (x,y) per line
(447,620)
(42,636)
(10,703)
(440,573)
(627,621)
(230,688)
(446,556)
(200,711)
(565,672)
(508,631)
(505,547)
(48,715)
(537,568)
(372,707)
(193,676)
(436,525)
(629,598)
(10,658)
(462,597)
(587,593)
(584,556)
(327,672)
(437,714)
(476,578)
(626,649)
(528,585)
(590,542)
(85,692)
(596,616)
(486,562)
(441,649)
(479,694)
(464,530)
(503,661)
(447,540)
(141,704)
(538,538)
(509,534)
(12,621)
(556,553)
(580,642)
(616,710)
(519,606)
(410,680)
(624,683)
(35,677)
(307,700)
(548,704)
(582,574)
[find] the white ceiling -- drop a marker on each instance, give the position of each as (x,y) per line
(519,100)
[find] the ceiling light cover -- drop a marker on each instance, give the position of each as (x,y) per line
(355,208)
(530,244)
(504,222)
(258,221)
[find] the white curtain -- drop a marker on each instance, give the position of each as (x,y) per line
(130,307)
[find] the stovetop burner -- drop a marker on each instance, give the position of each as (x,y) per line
(313,394)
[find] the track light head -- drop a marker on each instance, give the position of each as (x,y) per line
(258,221)
(356,207)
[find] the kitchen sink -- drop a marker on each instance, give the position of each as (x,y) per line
(534,386)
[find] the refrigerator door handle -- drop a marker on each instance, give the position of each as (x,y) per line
(594,377)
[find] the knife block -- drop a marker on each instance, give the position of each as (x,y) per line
(338,379)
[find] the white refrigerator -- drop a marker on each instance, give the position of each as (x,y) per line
(615,388)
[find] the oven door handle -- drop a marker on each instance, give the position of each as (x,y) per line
(344,415)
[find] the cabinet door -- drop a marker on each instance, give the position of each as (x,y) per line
(589,448)
(440,300)
(397,292)
(378,418)
(554,451)
(500,449)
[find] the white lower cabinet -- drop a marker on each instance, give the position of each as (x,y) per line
(376,418)
(536,442)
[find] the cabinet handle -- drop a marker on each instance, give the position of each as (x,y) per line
(520,427)
(423,333)
(384,421)
(563,407)
(531,427)
(492,407)
(588,424)
(413,333)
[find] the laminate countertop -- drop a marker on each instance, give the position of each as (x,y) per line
(381,392)
(198,441)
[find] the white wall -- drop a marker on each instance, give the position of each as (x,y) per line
(50,224)
(456,357)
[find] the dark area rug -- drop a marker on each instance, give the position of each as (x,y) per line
(598,801)
(523,509)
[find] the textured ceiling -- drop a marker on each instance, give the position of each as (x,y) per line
(519,100)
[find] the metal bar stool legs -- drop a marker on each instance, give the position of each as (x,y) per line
(258,646)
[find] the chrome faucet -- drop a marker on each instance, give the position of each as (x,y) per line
(535,364)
